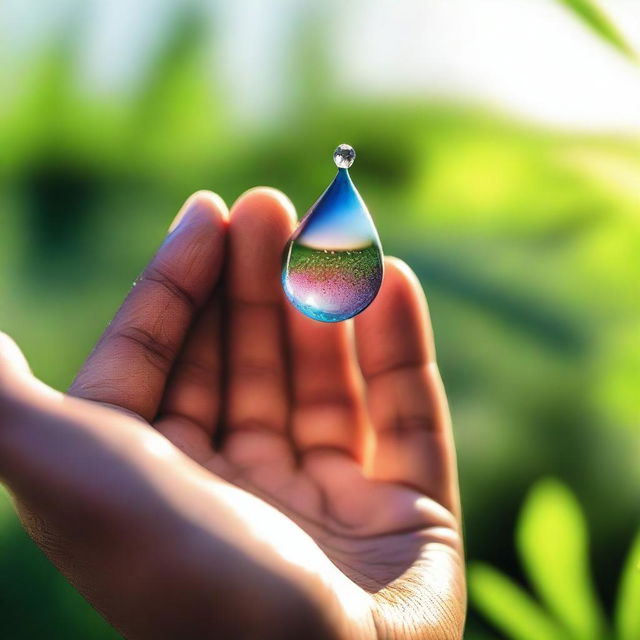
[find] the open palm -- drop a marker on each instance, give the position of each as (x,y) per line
(318,493)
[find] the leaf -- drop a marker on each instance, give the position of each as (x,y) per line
(509,607)
(590,12)
(552,541)
(627,616)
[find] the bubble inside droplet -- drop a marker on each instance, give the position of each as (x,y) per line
(344,156)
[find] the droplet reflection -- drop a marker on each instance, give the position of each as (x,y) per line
(333,263)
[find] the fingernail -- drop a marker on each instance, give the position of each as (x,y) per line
(187,210)
(205,203)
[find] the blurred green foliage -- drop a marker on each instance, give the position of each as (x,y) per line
(593,16)
(552,542)
(527,242)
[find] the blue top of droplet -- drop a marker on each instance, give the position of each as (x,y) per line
(339,219)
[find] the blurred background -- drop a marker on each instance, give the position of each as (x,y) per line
(498,149)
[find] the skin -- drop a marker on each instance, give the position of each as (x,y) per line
(224,467)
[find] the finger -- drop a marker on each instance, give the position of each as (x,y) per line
(406,400)
(190,407)
(131,362)
(327,387)
(12,363)
(257,401)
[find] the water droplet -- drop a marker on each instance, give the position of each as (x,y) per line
(332,264)
(344,156)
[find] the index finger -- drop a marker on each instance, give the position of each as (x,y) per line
(131,362)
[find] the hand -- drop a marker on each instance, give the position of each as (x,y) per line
(224,467)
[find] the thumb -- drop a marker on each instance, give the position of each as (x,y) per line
(12,362)
(20,395)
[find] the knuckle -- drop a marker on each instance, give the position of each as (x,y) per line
(176,290)
(407,426)
(158,352)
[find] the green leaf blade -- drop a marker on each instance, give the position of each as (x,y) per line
(509,607)
(553,544)
(627,617)
(590,12)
